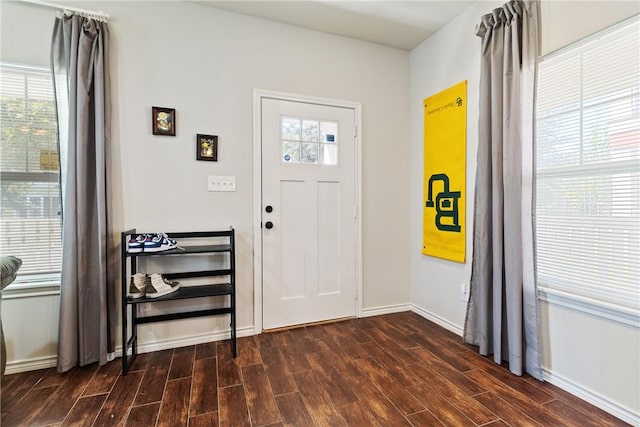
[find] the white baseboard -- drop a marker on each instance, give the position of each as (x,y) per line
(15,367)
(188,340)
(592,397)
(44,362)
(440,321)
(398,308)
(387,309)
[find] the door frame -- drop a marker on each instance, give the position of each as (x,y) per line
(258,96)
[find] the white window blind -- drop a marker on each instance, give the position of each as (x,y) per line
(29,172)
(588,168)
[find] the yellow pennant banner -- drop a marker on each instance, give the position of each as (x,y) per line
(445,144)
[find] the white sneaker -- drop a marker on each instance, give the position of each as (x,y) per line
(159,242)
(138,285)
(160,286)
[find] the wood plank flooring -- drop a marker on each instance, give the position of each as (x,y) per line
(392,370)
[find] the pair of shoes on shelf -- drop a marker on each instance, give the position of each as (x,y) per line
(151,286)
(156,242)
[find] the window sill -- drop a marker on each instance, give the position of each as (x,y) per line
(616,313)
(31,289)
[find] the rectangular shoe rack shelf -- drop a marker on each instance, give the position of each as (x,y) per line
(185,292)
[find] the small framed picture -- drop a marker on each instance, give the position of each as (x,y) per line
(207,147)
(163,121)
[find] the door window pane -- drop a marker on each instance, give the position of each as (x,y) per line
(290,151)
(329,154)
(310,130)
(329,132)
(291,128)
(310,153)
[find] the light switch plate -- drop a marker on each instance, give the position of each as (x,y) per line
(464,291)
(221,183)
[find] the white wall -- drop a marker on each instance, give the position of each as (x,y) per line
(564,22)
(449,56)
(591,356)
(205,63)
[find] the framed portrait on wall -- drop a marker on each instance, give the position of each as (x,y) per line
(207,147)
(163,121)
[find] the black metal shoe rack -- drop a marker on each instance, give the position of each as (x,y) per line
(130,267)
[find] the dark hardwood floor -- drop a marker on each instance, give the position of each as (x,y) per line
(392,370)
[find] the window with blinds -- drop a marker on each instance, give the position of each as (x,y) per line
(588,169)
(29,173)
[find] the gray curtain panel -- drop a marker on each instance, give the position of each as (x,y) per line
(502,314)
(80,63)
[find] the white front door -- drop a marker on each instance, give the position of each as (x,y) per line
(308,212)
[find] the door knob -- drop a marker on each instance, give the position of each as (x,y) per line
(268,225)
(269,209)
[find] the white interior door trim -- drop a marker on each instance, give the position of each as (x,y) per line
(258,95)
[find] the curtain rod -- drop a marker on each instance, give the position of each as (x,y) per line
(85,12)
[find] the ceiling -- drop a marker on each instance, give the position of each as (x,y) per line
(396,23)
